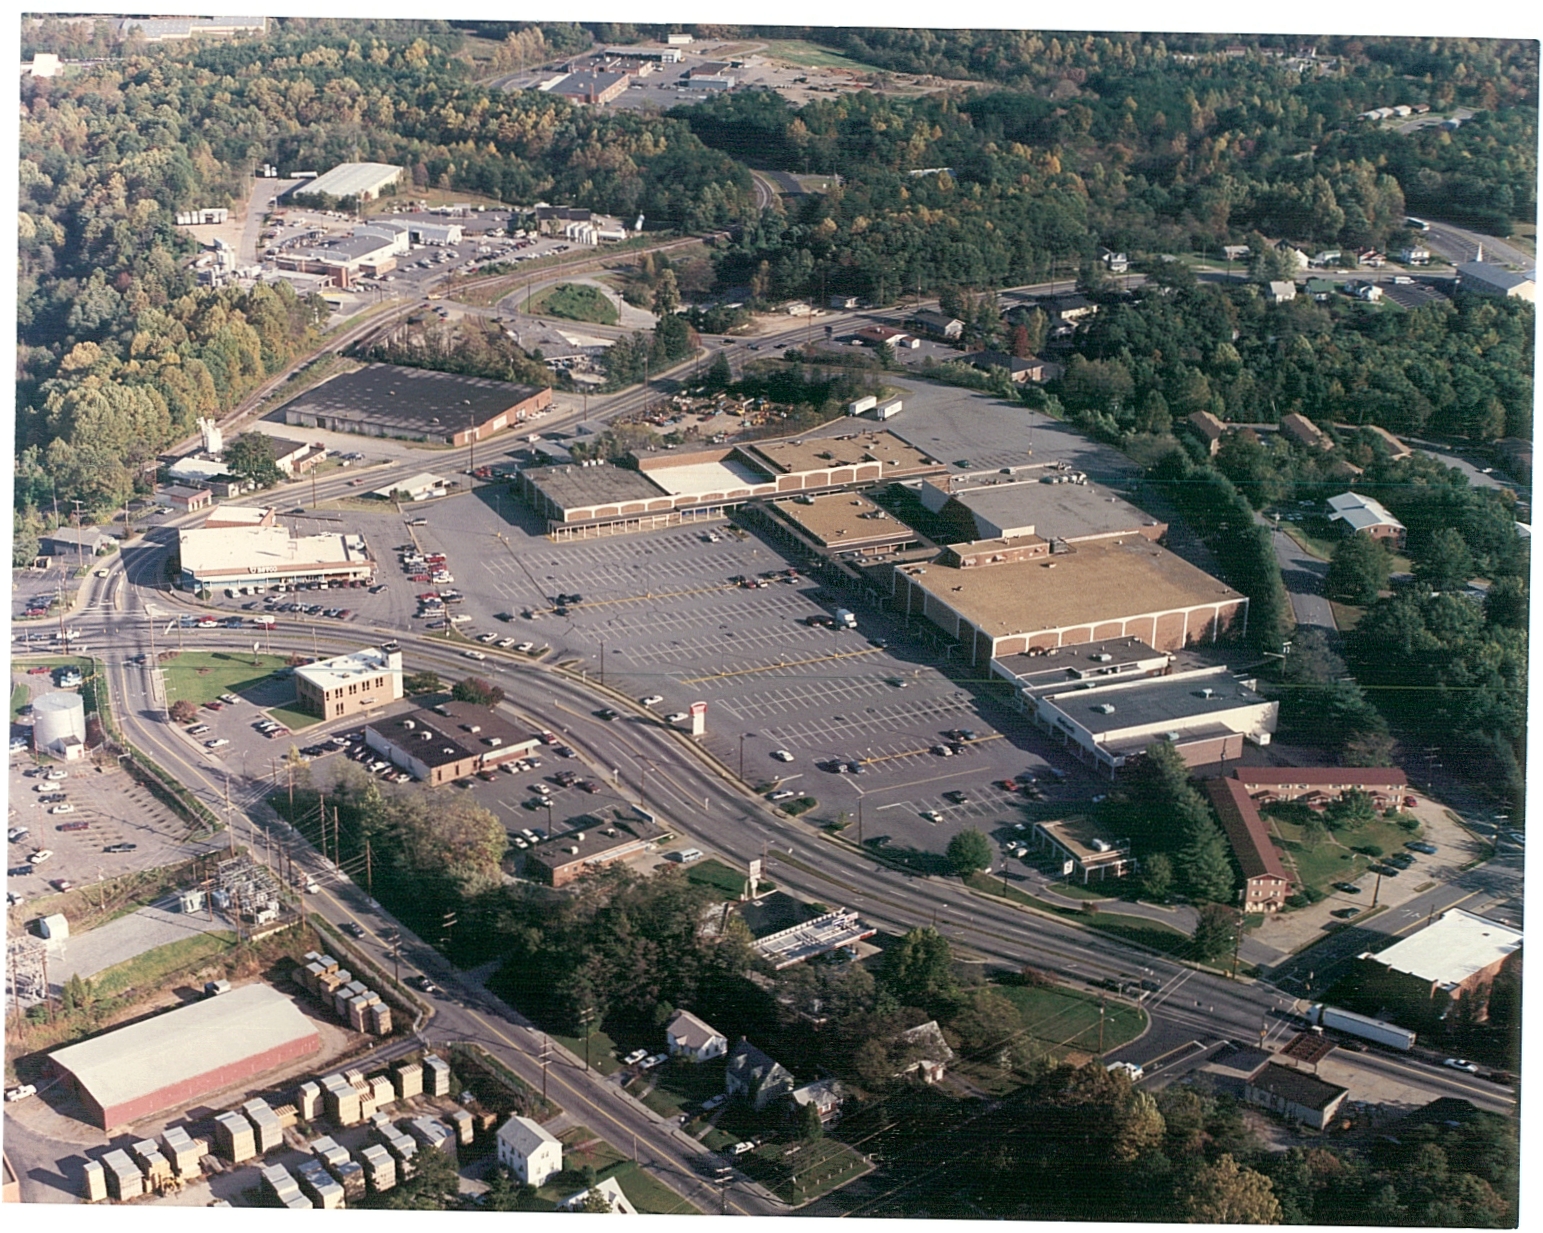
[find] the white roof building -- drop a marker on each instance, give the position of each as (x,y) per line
(361,180)
(258,556)
(1362,513)
(610,1190)
(417,487)
(529,1151)
(191,468)
(1458,949)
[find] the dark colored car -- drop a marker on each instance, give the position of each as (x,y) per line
(120,847)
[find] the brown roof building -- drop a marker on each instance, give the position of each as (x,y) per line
(1102,589)
(1295,1094)
(1304,432)
(1266,882)
(564,858)
(449,742)
(1321,784)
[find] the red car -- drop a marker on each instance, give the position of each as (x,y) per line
(418,577)
(1410,802)
(589,785)
(74,826)
(214,706)
(62,884)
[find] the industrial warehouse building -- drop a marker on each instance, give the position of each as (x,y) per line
(1206,715)
(842,524)
(384,400)
(347,684)
(1008,597)
(1055,503)
(1458,953)
(185,1055)
(248,556)
(667,487)
(449,741)
(364,181)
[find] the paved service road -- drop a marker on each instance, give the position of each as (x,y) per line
(1303,575)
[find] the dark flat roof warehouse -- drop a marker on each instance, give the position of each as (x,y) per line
(388,400)
(570,486)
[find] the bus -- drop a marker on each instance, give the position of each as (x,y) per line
(1416,224)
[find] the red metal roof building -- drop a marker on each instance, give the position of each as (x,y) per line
(1266,881)
(1385,784)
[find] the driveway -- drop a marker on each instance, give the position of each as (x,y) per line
(1303,575)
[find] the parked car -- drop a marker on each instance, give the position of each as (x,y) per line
(1420,845)
(677,717)
(352,928)
(782,794)
(120,847)
(633,1058)
(657,1060)
(782,755)
(22,1092)
(652,700)
(64,808)
(1346,913)
(1348,888)
(218,742)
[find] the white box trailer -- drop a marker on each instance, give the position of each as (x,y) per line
(1352,1024)
(865,403)
(887,409)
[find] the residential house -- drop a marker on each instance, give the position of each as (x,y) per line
(1115,263)
(1415,254)
(824,1094)
(1237,252)
(1367,516)
(938,325)
(1071,308)
(1280,292)
(755,1076)
(689,1037)
(531,1153)
(1209,427)
(882,335)
(1320,289)
(922,1051)
(1020,370)
(1304,432)
(1386,785)
(608,1189)
(1266,884)
(1370,292)
(1372,258)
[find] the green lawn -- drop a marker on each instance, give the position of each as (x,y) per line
(804,1174)
(1138,929)
(1333,861)
(292,717)
(1320,548)
(679,1084)
(602,1050)
(1065,1017)
(731,882)
(576,302)
(201,676)
(20,696)
(648,1194)
(154,966)
(1346,616)
(812,55)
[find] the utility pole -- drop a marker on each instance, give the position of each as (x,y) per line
(1377,890)
(741,756)
(859,821)
(587,1016)
(1237,943)
(602,663)
(369,869)
(546,1057)
(1100,1024)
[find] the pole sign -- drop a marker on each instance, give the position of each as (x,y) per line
(698,718)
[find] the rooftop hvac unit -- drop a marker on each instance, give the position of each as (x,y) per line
(1206,693)
(409,724)
(1171,737)
(1105,708)
(580,837)
(1103,657)
(1100,845)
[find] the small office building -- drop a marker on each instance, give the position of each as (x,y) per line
(349,684)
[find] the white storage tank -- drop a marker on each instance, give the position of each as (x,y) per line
(59,724)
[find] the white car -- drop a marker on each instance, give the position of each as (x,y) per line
(21,1093)
(487,638)
(932,815)
(676,718)
(782,755)
(652,700)
(37,858)
(633,1058)
(218,742)
(64,808)
(56,775)
(525,648)
(943,751)
(1461,1063)
(16,833)
(473,655)
(782,794)
(1130,1068)
(657,1059)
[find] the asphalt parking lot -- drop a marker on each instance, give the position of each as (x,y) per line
(674,626)
(115,811)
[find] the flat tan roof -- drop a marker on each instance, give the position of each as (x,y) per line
(818,453)
(1077,835)
(1099,581)
(838,518)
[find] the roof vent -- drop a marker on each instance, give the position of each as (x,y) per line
(495,740)
(580,838)
(409,724)
(425,736)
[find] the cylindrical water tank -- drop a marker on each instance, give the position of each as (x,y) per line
(56,718)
